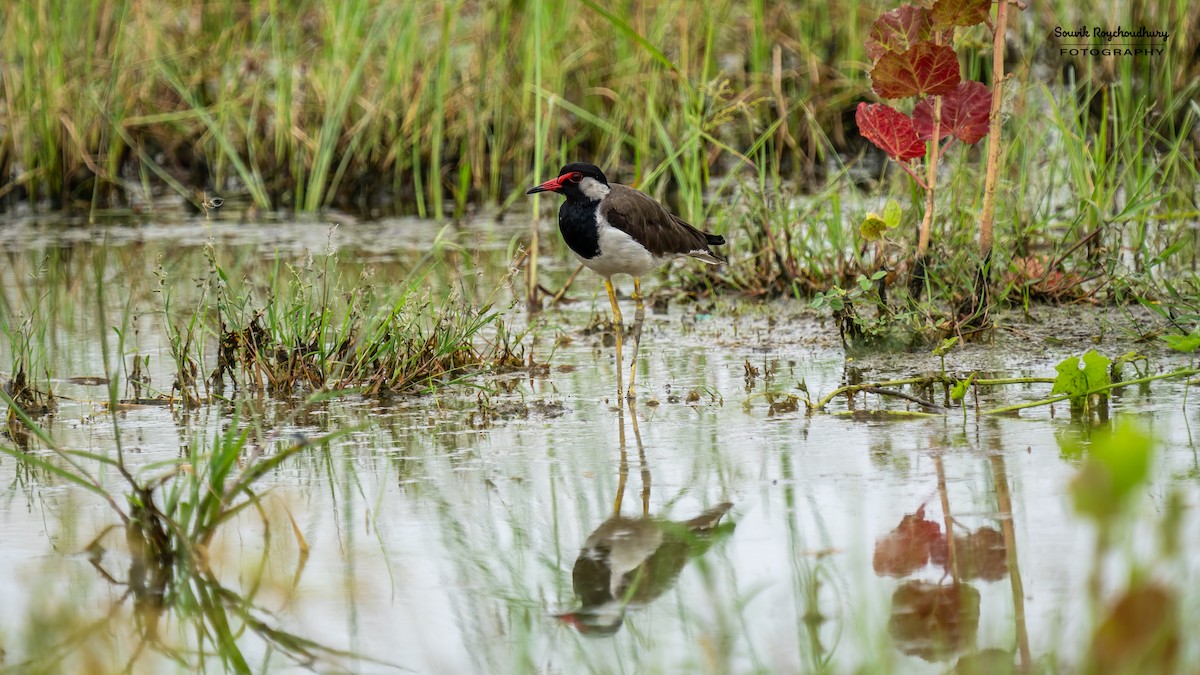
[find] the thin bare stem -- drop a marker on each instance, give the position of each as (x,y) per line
(988,214)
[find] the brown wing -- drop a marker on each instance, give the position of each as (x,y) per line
(660,231)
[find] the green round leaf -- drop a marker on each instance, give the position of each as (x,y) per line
(891,213)
(872,227)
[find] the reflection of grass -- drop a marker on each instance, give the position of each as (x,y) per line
(169,515)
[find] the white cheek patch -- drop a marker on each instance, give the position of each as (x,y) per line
(593,189)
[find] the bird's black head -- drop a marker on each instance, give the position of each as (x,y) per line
(577,181)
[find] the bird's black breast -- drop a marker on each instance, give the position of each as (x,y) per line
(577,223)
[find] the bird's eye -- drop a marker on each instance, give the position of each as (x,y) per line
(575,177)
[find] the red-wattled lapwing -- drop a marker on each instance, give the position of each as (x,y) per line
(615,229)
(629,562)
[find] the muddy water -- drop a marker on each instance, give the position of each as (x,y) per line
(463,531)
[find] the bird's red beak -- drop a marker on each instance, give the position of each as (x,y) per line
(572,620)
(552,185)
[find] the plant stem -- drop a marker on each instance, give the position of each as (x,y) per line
(931,169)
(1015,380)
(873,386)
(1185,372)
(987,216)
(908,397)
(532,304)
(850,388)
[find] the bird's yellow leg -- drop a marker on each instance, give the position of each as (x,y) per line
(638,317)
(623,467)
(637,436)
(617,328)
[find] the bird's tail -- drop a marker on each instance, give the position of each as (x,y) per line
(714,239)
(710,257)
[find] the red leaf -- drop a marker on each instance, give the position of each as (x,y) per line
(951,13)
(900,29)
(889,129)
(965,114)
(925,68)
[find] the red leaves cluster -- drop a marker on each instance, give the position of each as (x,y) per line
(910,48)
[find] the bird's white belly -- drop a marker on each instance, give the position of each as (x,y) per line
(620,254)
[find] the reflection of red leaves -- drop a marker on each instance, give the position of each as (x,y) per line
(891,130)
(933,621)
(1140,634)
(951,13)
(965,114)
(925,69)
(900,29)
(981,555)
(906,549)
(916,541)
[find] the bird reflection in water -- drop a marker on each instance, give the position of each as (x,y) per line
(629,562)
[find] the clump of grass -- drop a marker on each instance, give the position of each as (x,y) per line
(29,384)
(305,328)
(312,106)
(36,401)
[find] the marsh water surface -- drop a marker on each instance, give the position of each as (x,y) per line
(446,530)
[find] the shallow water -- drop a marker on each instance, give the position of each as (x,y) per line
(445,528)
